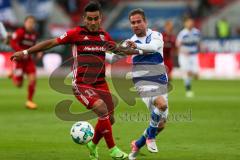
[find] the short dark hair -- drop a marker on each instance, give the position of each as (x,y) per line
(137,11)
(92,6)
(186,18)
(29,17)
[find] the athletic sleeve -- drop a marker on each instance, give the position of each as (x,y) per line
(68,37)
(16,38)
(179,39)
(155,44)
(112,58)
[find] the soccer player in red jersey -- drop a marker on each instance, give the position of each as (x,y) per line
(24,38)
(89,84)
(169,47)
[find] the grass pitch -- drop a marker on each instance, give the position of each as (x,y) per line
(206,127)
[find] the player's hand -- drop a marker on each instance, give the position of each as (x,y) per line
(17,56)
(110,46)
(131,44)
(39,55)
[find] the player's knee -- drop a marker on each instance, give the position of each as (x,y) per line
(32,82)
(161,104)
(160,129)
(163,107)
(100,107)
(32,78)
(161,125)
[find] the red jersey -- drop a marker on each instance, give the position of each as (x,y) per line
(21,39)
(169,45)
(88,53)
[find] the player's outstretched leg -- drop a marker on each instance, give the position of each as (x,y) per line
(152,130)
(160,106)
(103,128)
(93,151)
(134,150)
(138,144)
(31,90)
(188,85)
(117,154)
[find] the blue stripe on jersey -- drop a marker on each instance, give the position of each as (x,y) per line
(196,34)
(149,59)
(193,44)
(162,79)
(149,38)
(137,41)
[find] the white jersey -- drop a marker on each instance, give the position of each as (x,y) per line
(189,41)
(152,42)
(149,72)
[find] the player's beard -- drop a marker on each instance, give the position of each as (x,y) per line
(140,32)
(94,28)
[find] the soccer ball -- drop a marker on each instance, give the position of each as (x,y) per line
(82,132)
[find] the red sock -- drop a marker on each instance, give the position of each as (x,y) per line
(104,129)
(97,135)
(31,90)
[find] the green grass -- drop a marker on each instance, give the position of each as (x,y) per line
(206,127)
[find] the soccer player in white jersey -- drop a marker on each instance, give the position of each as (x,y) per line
(188,47)
(149,77)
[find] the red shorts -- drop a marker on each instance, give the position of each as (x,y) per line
(169,65)
(88,94)
(23,67)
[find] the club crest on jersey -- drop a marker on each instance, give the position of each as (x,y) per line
(63,36)
(14,35)
(102,37)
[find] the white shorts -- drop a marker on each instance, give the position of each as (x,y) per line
(149,101)
(188,63)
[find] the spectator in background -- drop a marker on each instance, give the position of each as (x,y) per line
(6,14)
(204,8)
(223,29)
(238,31)
(41,10)
(70,6)
(216,3)
(73,8)
(189,11)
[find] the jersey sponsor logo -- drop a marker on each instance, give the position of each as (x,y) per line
(103,49)
(27,43)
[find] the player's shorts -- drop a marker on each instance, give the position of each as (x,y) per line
(188,63)
(23,67)
(169,65)
(149,101)
(88,94)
